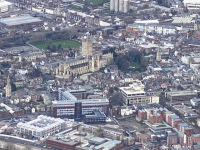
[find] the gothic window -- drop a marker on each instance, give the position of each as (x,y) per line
(90,64)
(62,68)
(95,63)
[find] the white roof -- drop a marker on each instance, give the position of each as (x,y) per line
(4,3)
(192,1)
(147,21)
(41,123)
(18,20)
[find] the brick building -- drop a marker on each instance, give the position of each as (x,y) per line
(171,118)
(143,138)
(184,127)
(142,114)
(132,29)
(196,138)
(185,140)
(61,143)
(175,123)
(150,146)
(188,131)
(155,118)
(166,114)
(172,139)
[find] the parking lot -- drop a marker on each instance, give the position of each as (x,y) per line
(130,124)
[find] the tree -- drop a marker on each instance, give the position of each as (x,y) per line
(13,87)
(53,48)
(5,64)
(35,73)
(48,47)
(59,46)
(134,57)
(173,12)
(186,10)
(160,2)
(179,87)
(116,100)
(98,132)
(111,90)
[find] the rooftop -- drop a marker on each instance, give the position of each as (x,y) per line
(64,140)
(4,3)
(19,20)
(96,113)
(108,145)
(41,123)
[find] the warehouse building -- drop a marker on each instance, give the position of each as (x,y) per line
(21,22)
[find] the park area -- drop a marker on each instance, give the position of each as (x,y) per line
(58,44)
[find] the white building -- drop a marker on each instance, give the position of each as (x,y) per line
(134,93)
(5,6)
(126,6)
(153,26)
(112,5)
(192,3)
(68,108)
(41,127)
(104,23)
(116,5)
(120,5)
(195,102)
(192,59)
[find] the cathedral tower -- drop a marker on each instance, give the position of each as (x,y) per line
(87,45)
(8,88)
(196,25)
(158,55)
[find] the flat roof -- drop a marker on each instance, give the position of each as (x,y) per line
(108,145)
(97,139)
(64,140)
(4,3)
(18,20)
(146,21)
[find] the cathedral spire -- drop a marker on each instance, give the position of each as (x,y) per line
(8,80)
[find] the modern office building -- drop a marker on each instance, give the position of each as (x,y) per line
(76,109)
(70,106)
(134,93)
(64,95)
(96,117)
(41,127)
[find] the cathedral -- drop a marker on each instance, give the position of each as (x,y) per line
(88,61)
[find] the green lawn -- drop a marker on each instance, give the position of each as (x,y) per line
(134,64)
(97,2)
(63,43)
